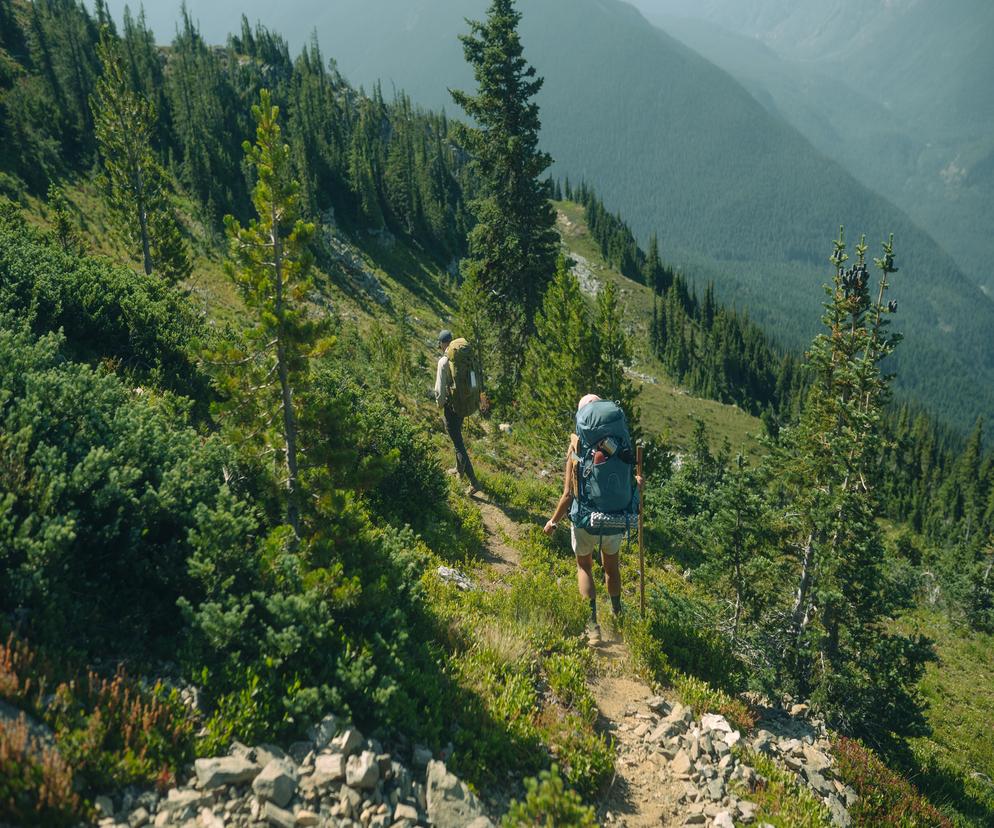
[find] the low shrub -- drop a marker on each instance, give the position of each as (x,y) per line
(783,800)
(586,757)
(113,733)
(549,803)
(567,677)
(36,783)
(885,798)
(682,625)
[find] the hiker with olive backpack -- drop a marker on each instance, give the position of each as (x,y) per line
(601,492)
(458,391)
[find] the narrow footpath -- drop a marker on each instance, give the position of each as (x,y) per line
(642,792)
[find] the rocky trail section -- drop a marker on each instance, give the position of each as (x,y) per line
(672,768)
(336,779)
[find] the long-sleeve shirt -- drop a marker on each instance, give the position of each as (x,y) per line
(443,379)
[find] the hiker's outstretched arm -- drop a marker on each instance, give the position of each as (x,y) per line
(565,500)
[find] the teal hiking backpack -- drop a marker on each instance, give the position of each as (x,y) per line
(606,501)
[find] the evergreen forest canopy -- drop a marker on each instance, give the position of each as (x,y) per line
(261,501)
(736,195)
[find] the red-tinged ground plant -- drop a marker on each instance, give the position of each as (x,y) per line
(115,733)
(36,783)
(19,683)
(885,798)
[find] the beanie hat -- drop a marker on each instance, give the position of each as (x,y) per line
(445,337)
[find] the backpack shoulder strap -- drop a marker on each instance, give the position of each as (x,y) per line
(573,458)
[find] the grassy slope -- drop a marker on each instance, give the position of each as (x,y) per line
(959,687)
(668,411)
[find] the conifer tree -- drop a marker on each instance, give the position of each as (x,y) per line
(271,262)
(65,227)
(561,362)
(512,249)
(838,652)
(136,184)
(614,356)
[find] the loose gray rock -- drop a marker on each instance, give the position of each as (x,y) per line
(405,811)
(323,732)
(225,770)
(328,768)
(681,763)
(450,803)
(362,771)
(349,741)
(279,817)
(138,818)
(277,782)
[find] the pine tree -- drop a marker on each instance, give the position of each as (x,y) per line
(837,650)
(271,262)
(513,248)
(561,362)
(136,184)
(65,226)
(614,356)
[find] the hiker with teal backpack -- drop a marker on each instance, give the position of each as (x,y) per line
(599,494)
(458,392)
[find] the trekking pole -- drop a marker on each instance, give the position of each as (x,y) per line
(638,465)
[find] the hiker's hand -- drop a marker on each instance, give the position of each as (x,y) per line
(640,481)
(484,404)
(549,528)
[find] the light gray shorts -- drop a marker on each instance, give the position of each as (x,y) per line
(585,543)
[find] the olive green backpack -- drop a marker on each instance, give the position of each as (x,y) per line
(467,379)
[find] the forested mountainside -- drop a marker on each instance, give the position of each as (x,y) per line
(225,526)
(736,195)
(914,78)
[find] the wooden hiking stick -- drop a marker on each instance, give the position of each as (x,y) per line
(638,466)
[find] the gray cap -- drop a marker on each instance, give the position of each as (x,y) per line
(445,336)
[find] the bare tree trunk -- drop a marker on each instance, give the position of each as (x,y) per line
(799,612)
(289,416)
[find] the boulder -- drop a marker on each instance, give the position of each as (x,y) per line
(277,782)
(451,804)
(225,770)
(716,789)
(362,771)
(658,704)
(279,817)
(816,760)
(681,763)
(323,732)
(328,768)
(349,741)
(138,818)
(723,819)
(818,782)
(405,811)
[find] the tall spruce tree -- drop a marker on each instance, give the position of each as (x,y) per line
(270,263)
(136,184)
(512,249)
(561,361)
(838,651)
(614,356)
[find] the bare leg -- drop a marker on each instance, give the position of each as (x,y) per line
(612,574)
(585,576)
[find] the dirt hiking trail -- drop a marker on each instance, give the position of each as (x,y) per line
(641,792)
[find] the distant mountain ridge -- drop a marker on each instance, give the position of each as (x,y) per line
(915,77)
(680,148)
